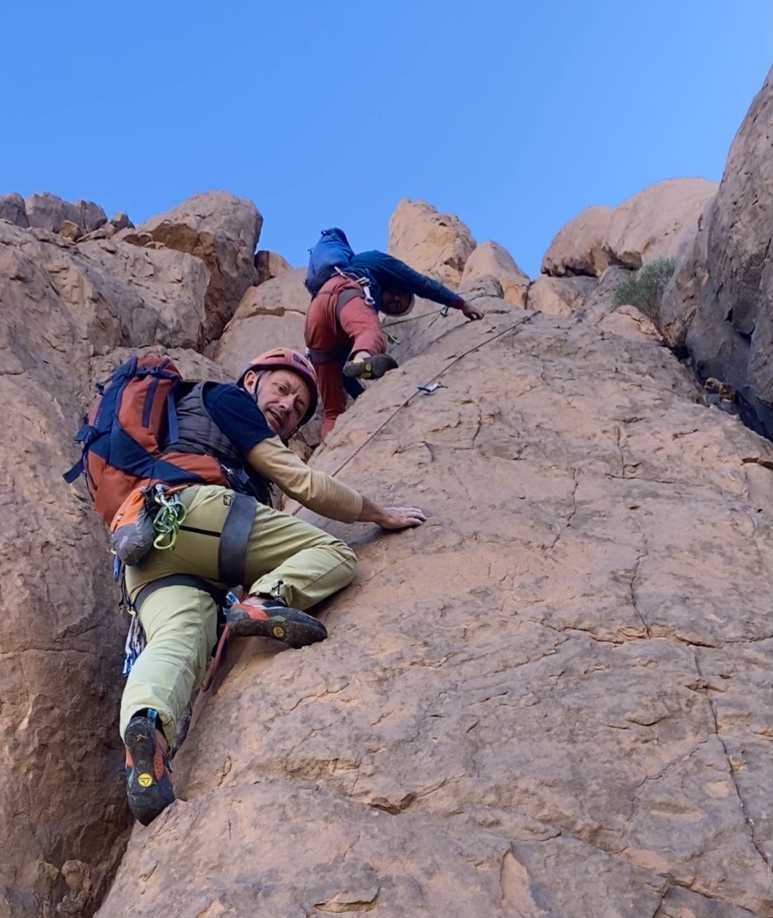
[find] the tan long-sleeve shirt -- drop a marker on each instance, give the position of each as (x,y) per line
(314,489)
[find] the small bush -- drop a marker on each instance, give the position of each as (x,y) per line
(644,288)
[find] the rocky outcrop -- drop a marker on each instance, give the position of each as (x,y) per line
(430,242)
(222,231)
(647,226)
(681,295)
(579,247)
(12,209)
(652,223)
(47,211)
(61,799)
(269,264)
(160,294)
(731,334)
(71,312)
(559,296)
(551,695)
(490,259)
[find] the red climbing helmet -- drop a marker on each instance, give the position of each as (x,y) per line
(283,358)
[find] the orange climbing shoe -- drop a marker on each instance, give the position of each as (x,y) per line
(268,617)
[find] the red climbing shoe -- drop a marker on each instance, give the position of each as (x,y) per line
(268,617)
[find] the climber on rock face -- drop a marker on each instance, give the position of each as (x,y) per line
(344,337)
(230,536)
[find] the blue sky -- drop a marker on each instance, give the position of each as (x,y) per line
(513,116)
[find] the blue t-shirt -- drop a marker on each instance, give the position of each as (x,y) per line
(236,413)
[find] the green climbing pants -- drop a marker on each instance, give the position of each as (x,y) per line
(286,558)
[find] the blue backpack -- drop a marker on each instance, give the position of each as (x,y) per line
(331,252)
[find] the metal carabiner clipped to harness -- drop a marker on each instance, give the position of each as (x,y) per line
(167,521)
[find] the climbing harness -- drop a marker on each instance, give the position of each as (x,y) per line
(362,281)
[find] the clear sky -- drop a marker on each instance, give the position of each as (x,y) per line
(514,116)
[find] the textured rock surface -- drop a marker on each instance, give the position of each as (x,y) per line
(578,247)
(221,230)
(430,242)
(559,296)
(161,294)
(647,226)
(492,260)
(269,315)
(12,209)
(680,298)
(47,211)
(552,699)
(599,301)
(551,696)
(70,313)
(651,224)
(60,634)
(269,264)
(731,335)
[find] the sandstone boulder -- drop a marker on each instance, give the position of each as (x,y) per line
(47,211)
(652,223)
(70,230)
(121,221)
(579,247)
(559,296)
(269,264)
(12,209)
(647,226)
(220,229)
(159,295)
(491,259)
(430,242)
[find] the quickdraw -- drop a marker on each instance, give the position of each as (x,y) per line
(170,516)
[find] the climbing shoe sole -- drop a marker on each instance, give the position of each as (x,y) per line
(148,786)
(371,367)
(297,629)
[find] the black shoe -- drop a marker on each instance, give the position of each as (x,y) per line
(268,617)
(370,367)
(148,785)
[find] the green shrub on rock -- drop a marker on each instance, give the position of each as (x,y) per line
(644,287)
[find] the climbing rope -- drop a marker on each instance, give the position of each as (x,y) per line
(413,395)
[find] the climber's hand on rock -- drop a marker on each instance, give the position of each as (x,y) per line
(401,518)
(391,517)
(470,312)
